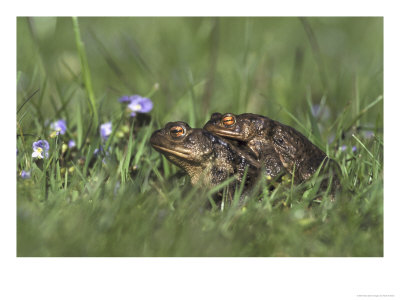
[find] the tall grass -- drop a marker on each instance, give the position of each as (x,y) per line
(322,76)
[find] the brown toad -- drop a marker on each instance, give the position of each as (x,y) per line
(207,158)
(274,144)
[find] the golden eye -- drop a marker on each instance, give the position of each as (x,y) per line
(228,120)
(177,131)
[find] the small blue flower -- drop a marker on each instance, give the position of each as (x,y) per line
(141,105)
(59,126)
(71,144)
(102,151)
(97,150)
(105,130)
(125,99)
(25,174)
(315,109)
(137,104)
(39,148)
(344,148)
(322,112)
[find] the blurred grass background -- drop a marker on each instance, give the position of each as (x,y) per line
(137,204)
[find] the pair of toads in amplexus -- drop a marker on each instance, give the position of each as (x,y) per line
(247,147)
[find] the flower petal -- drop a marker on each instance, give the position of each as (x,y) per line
(71,144)
(60,126)
(147,105)
(135,98)
(25,174)
(41,144)
(125,99)
(105,130)
(38,154)
(138,103)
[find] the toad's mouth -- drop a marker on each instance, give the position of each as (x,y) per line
(179,152)
(224,132)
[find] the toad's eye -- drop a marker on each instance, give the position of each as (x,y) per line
(177,131)
(228,120)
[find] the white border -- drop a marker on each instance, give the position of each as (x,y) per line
(194,278)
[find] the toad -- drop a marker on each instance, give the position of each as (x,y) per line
(274,144)
(246,130)
(207,158)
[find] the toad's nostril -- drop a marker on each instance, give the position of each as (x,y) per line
(154,137)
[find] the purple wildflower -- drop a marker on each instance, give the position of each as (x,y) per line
(102,151)
(315,109)
(59,126)
(39,148)
(105,130)
(322,112)
(125,99)
(142,105)
(344,148)
(71,144)
(137,104)
(97,150)
(25,174)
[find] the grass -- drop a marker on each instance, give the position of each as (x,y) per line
(135,203)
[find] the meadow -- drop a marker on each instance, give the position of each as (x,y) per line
(101,190)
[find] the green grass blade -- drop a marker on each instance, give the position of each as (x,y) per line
(141,148)
(192,101)
(365,148)
(113,132)
(129,152)
(239,192)
(79,127)
(363,111)
(87,159)
(85,71)
(220,186)
(313,120)
(123,167)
